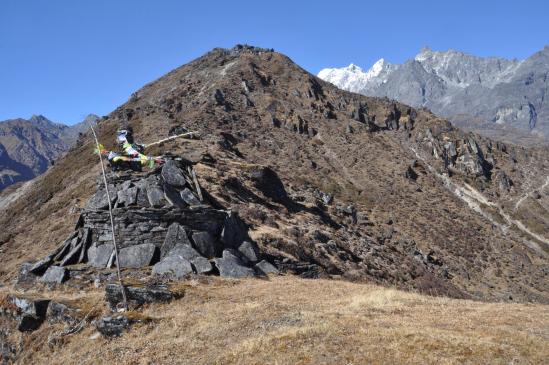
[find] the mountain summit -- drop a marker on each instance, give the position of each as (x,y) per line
(501,98)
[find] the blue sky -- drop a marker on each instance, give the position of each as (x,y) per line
(67,58)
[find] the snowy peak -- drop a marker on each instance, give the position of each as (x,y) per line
(353,78)
(461,86)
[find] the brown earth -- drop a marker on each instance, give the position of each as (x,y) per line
(274,138)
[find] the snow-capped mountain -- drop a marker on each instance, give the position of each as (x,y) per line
(353,78)
(496,96)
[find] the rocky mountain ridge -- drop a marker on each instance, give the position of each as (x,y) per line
(500,98)
(330,183)
(29,147)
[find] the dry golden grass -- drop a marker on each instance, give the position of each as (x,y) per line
(288,320)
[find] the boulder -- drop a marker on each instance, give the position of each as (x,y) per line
(137,296)
(234,230)
(265,268)
(176,235)
(173,175)
(206,244)
(230,266)
(137,256)
(173,266)
(250,251)
(127,197)
(54,274)
(30,313)
(189,198)
(200,264)
(98,256)
(112,326)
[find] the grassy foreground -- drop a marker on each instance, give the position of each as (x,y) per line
(287,320)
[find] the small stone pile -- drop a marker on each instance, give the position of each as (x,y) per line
(163,220)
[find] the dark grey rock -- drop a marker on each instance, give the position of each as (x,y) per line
(127,197)
(189,198)
(137,296)
(72,256)
(200,264)
(112,326)
(173,266)
(98,256)
(25,276)
(99,200)
(155,195)
(234,230)
(30,313)
(176,235)
(41,266)
(173,197)
(250,251)
(59,312)
(231,266)
(206,244)
(410,173)
(173,175)
(137,256)
(142,199)
(85,241)
(266,268)
(55,274)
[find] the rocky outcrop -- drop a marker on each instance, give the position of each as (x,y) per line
(161,220)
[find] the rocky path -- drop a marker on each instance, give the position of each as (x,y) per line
(474,200)
(523,197)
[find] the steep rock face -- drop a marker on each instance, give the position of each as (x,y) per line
(330,183)
(498,97)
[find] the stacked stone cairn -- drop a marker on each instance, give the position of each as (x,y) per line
(163,220)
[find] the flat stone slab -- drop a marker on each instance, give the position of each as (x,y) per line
(54,274)
(201,264)
(266,268)
(137,296)
(230,266)
(112,326)
(98,256)
(173,266)
(137,256)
